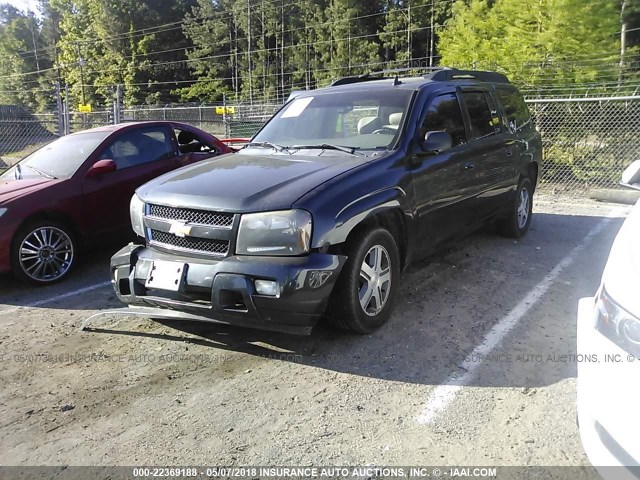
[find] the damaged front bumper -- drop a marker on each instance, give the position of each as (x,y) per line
(170,286)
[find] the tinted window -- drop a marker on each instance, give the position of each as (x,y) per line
(190,142)
(139,147)
(482,119)
(444,114)
(515,109)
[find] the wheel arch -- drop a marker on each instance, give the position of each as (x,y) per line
(387,208)
(54,215)
(391,219)
(533,172)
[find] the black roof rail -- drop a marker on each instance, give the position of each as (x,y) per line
(365,77)
(379,73)
(455,74)
(406,69)
(438,74)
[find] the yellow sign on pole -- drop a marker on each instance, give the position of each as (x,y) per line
(84,108)
(227,110)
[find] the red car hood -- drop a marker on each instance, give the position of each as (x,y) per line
(13,189)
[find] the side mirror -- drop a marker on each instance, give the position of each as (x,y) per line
(101,167)
(436,142)
(631,175)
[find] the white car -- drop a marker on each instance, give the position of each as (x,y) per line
(609,355)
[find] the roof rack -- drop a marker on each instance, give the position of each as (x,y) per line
(433,73)
(365,77)
(455,74)
(379,73)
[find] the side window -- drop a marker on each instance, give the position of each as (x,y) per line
(482,120)
(138,147)
(192,142)
(515,109)
(444,113)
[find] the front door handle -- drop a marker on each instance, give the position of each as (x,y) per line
(509,152)
(469,166)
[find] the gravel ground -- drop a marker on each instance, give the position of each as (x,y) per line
(133,391)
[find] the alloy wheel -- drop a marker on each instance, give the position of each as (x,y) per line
(46,254)
(523,208)
(375,280)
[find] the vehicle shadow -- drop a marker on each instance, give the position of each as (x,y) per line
(447,304)
(92,271)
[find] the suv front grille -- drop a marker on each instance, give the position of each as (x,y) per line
(191,244)
(188,215)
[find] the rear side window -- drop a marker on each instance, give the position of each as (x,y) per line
(138,147)
(444,114)
(482,120)
(515,109)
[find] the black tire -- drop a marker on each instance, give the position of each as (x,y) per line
(43,252)
(515,225)
(345,310)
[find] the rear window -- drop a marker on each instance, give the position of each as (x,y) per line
(515,109)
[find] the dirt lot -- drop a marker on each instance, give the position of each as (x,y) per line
(132,391)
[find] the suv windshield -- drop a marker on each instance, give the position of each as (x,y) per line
(59,159)
(366,119)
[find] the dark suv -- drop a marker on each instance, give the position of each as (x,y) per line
(333,197)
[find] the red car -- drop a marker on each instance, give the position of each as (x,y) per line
(75,191)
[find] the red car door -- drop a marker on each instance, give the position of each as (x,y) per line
(140,155)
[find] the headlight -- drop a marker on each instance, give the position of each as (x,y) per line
(136,211)
(274,233)
(3,211)
(618,325)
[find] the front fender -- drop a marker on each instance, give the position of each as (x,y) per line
(358,211)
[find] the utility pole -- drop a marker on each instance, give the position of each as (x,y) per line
(249,52)
(431,36)
(35,46)
(81,63)
(282,48)
(408,33)
(67,117)
(117,115)
(59,108)
(623,41)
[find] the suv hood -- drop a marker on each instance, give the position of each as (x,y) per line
(246,183)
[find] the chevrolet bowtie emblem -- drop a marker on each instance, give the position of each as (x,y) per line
(180,229)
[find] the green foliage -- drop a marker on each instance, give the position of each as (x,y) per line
(24,60)
(539,43)
(205,50)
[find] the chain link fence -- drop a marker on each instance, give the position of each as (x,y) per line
(22,132)
(587,141)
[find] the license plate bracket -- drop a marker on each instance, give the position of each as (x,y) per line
(166,275)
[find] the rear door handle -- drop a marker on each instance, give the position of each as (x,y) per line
(469,166)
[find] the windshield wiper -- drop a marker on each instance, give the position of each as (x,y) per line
(277,148)
(328,146)
(41,173)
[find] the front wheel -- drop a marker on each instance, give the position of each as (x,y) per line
(517,222)
(43,252)
(363,297)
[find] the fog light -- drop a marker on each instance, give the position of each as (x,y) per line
(267,287)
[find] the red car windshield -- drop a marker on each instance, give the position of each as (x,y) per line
(59,159)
